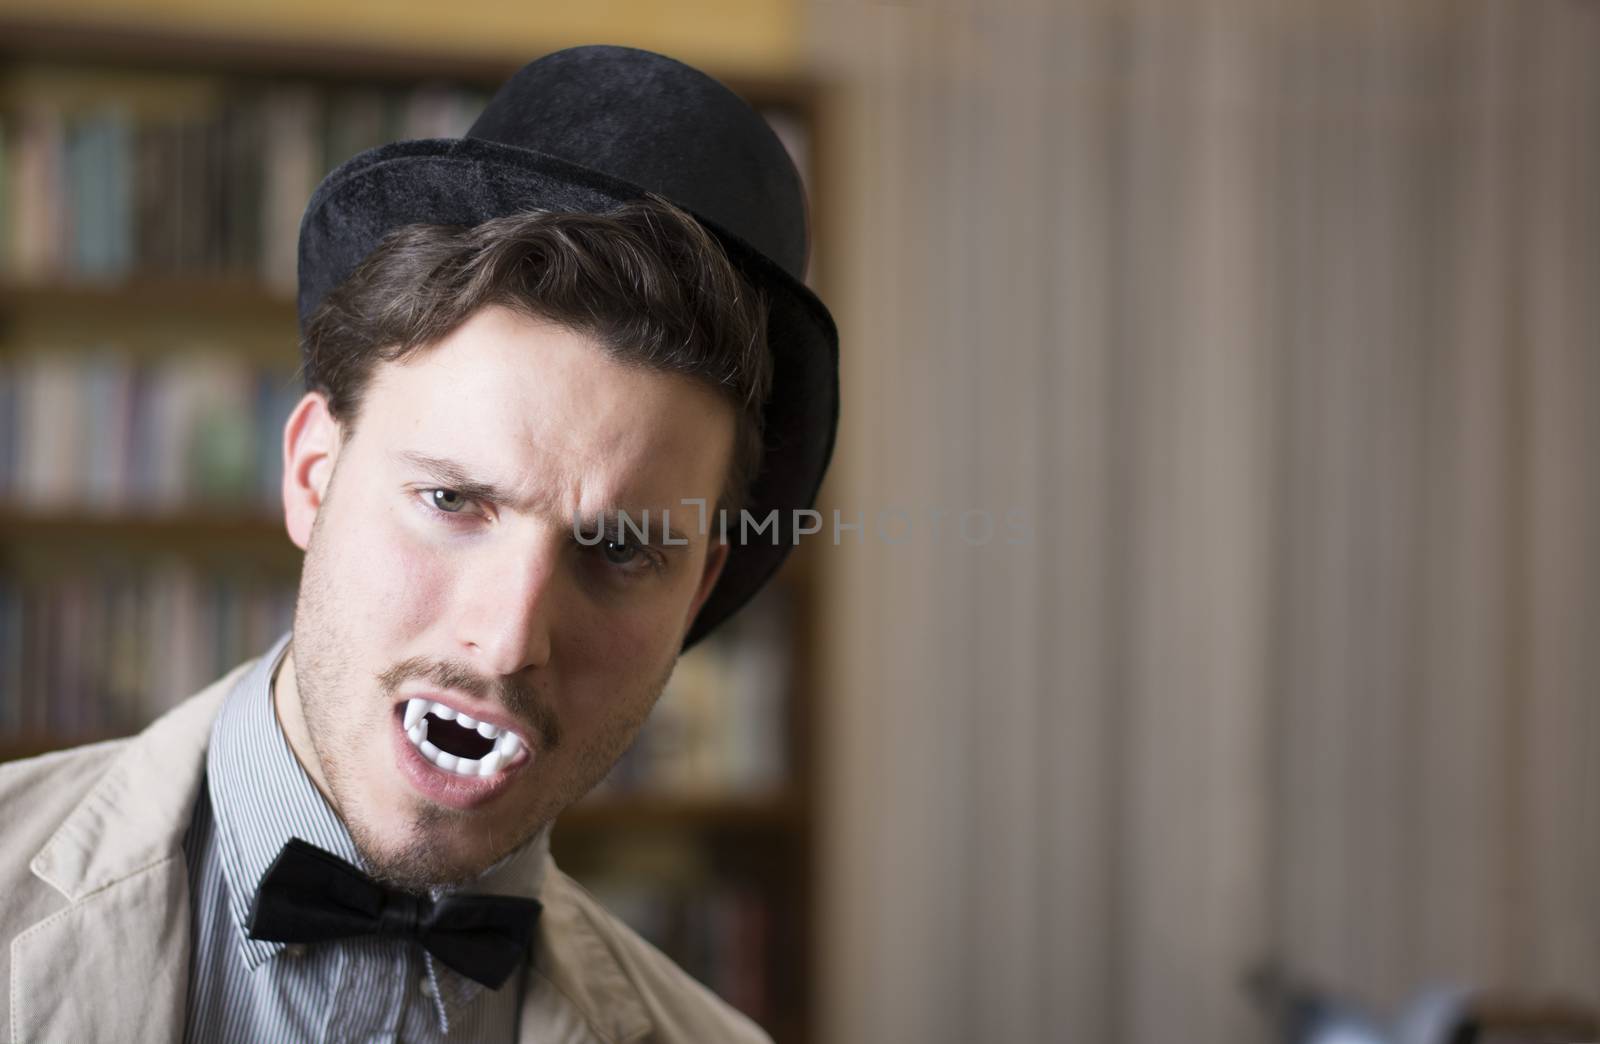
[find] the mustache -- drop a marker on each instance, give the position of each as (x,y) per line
(519,698)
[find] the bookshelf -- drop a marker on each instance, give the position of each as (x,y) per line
(147,347)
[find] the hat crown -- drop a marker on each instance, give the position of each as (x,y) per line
(661,125)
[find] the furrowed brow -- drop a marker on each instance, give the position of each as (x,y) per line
(453,476)
(657,533)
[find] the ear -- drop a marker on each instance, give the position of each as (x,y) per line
(311,441)
(716,558)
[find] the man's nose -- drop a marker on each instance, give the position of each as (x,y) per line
(505,616)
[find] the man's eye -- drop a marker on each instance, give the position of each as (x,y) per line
(629,560)
(618,553)
(447,500)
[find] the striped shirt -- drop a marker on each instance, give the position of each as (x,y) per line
(256,796)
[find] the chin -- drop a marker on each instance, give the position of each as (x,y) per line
(432,845)
(420,858)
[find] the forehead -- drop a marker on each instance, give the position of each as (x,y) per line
(545,413)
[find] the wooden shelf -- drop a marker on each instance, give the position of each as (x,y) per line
(15,748)
(177,527)
(777,813)
(231,298)
(234,56)
(235,542)
(150,316)
(197,529)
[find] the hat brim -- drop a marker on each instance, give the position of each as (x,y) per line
(467,181)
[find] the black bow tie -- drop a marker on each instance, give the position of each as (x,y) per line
(309,895)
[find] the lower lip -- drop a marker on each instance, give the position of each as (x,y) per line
(445,787)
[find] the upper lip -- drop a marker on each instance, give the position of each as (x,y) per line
(462,705)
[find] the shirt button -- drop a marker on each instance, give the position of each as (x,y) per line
(295,950)
(427,986)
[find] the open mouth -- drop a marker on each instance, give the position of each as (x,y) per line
(456,742)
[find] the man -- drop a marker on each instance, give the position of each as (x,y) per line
(538,360)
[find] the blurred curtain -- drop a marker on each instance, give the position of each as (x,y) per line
(1281,322)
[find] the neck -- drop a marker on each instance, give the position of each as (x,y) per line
(291,719)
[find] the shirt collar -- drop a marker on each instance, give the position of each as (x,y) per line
(261,797)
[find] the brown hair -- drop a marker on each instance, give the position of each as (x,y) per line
(645,280)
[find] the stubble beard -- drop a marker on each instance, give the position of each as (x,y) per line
(424,858)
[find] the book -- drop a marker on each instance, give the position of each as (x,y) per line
(96,431)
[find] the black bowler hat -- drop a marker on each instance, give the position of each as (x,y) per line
(585,129)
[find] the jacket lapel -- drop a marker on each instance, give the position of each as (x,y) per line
(575,991)
(113,964)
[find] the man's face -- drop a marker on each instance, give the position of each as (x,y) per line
(444,565)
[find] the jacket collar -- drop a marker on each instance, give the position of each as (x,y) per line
(138,813)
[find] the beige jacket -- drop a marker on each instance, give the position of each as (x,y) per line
(94,909)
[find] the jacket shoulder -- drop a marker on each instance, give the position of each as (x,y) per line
(679,1008)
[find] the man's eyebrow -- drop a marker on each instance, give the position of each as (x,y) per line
(658,533)
(453,476)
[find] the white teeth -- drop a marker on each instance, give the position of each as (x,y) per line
(415,709)
(439,710)
(505,746)
(465,722)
